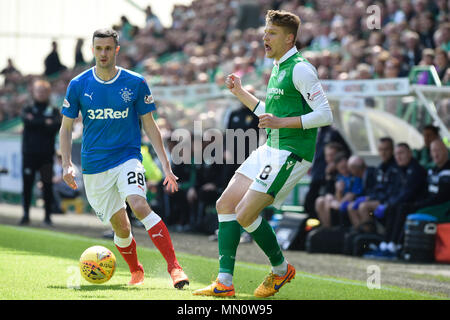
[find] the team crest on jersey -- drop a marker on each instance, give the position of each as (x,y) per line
(148,99)
(126,94)
(281,76)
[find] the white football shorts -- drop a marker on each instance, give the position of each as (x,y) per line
(107,191)
(274,171)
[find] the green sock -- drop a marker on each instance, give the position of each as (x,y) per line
(263,234)
(229,237)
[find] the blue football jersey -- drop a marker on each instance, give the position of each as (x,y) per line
(110,112)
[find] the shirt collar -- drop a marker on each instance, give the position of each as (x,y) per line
(109,81)
(286,56)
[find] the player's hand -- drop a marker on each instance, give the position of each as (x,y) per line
(233,83)
(268,120)
(69,176)
(171,182)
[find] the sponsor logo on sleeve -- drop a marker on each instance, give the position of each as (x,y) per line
(148,99)
(66,104)
(311,97)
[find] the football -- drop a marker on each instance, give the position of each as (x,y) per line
(97,264)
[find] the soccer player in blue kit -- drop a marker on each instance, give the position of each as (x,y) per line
(111,101)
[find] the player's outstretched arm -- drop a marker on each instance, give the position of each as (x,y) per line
(154,134)
(65,141)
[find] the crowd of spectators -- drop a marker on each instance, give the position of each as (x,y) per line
(207,40)
(376,200)
(335,36)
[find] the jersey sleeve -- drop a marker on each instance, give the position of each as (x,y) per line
(71,104)
(144,102)
(307,83)
(260,108)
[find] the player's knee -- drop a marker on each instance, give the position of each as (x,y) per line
(123,231)
(224,206)
(139,205)
(122,228)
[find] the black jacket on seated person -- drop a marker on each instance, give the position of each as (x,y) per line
(369,180)
(438,187)
(385,173)
(412,195)
(409,183)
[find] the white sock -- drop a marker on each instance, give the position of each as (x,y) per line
(151,220)
(225,278)
(226,217)
(281,269)
(254,225)
(123,242)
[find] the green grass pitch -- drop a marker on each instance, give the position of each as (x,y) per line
(40,264)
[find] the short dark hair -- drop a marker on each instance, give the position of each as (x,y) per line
(387,139)
(432,128)
(403,145)
(339,157)
(42,82)
(284,19)
(336,146)
(106,33)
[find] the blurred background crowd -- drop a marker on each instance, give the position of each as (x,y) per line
(209,39)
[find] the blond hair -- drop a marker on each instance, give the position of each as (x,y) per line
(287,20)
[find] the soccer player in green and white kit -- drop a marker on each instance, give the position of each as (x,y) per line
(295,107)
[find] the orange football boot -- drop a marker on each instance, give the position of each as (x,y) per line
(179,278)
(273,283)
(216,289)
(137,278)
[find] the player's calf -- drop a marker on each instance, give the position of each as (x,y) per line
(159,234)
